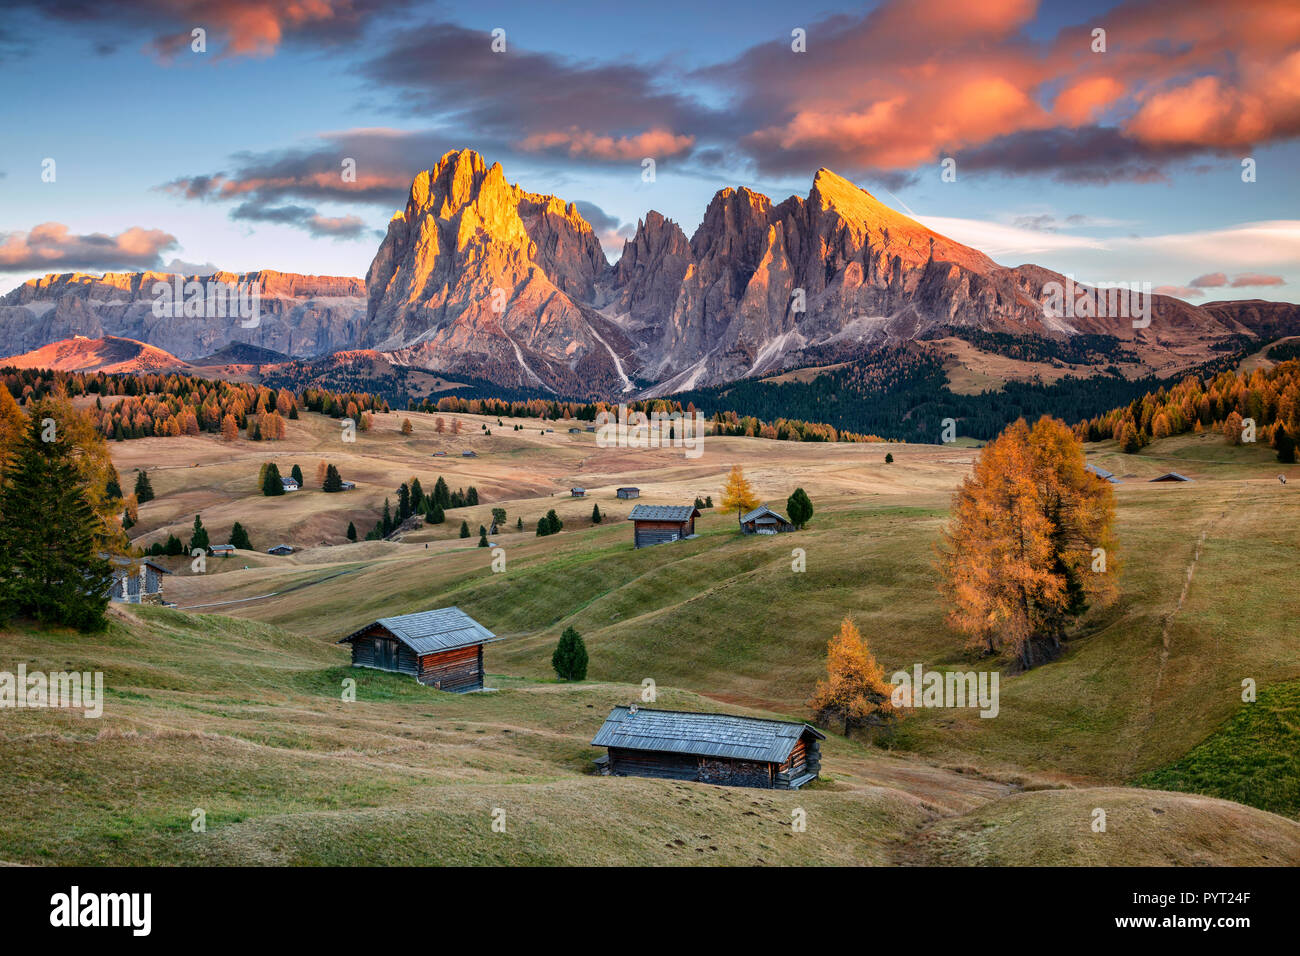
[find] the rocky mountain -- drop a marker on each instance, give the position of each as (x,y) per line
(298,315)
(107,354)
(478,278)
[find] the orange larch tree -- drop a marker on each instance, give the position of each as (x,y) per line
(855,692)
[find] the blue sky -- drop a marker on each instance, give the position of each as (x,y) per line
(1115,165)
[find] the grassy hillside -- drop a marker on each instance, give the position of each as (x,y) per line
(246,722)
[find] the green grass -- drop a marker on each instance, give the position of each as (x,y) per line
(1254,758)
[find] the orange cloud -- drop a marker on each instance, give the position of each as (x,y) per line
(656,143)
(1082,101)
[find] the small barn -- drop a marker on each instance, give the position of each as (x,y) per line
(442,648)
(763,520)
(1172,476)
(577,492)
(656,524)
(709,748)
(280,549)
(347,485)
(289,484)
(222,550)
(629,493)
(468,454)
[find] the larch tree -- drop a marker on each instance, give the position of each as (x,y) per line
(1029,545)
(738,495)
(855,692)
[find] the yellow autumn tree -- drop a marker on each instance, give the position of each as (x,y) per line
(1029,546)
(12,425)
(738,495)
(855,692)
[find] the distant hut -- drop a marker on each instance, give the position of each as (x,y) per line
(290,484)
(577,492)
(763,520)
(1102,473)
(222,550)
(709,748)
(468,454)
(280,549)
(629,493)
(1172,476)
(442,648)
(347,485)
(575,431)
(657,524)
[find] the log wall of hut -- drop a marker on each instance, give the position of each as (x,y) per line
(648,533)
(457,670)
(378,650)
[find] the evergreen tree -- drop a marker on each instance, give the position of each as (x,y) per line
(113,487)
(1285,446)
(386,522)
(49,562)
(464,529)
(498,516)
(595,514)
(403,502)
(296,474)
(143,488)
(352,531)
(708,501)
(471,496)
(441,495)
(519,524)
(271,484)
(543,528)
(199,537)
(553,522)
(435,514)
(799,507)
(239,537)
(173,548)
(482,538)
(570,657)
(417,497)
(889,458)
(333,481)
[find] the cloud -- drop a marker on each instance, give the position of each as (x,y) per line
(655,143)
(1211,280)
(52,246)
(1248,279)
(913,81)
(307,219)
(190,268)
(611,233)
(235,28)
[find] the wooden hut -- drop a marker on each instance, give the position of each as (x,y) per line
(577,492)
(763,520)
(442,648)
(709,748)
(281,549)
(656,524)
(135,582)
(628,493)
(1172,476)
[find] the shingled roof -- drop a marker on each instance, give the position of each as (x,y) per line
(663,513)
(427,632)
(759,512)
(704,735)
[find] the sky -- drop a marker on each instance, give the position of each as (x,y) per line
(1162,149)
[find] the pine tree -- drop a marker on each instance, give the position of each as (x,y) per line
(435,514)
(854,692)
(239,537)
(570,656)
(553,522)
(386,522)
(1285,446)
(441,495)
(471,496)
(199,537)
(464,529)
(49,562)
(352,531)
(800,508)
(595,514)
(333,481)
(271,483)
(417,497)
(519,523)
(543,528)
(482,538)
(143,488)
(296,474)
(403,502)
(889,458)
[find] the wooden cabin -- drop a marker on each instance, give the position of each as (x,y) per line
(709,748)
(1172,476)
(222,550)
(577,492)
(656,524)
(763,520)
(442,648)
(1101,473)
(628,493)
(289,484)
(281,549)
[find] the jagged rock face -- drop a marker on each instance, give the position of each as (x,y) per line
(298,315)
(477,276)
(867,273)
